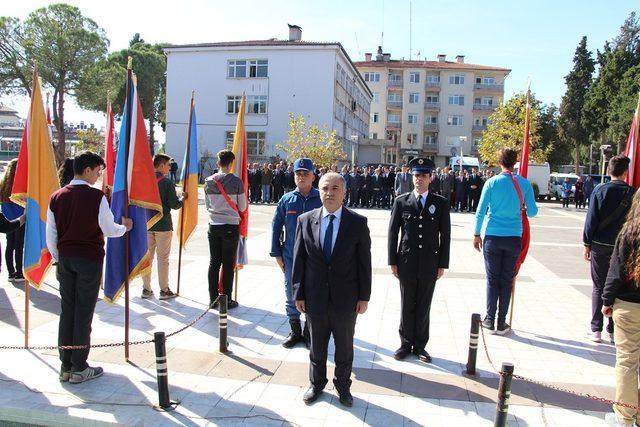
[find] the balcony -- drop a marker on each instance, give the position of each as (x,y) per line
(431,127)
(394,126)
(479,128)
(494,87)
(431,147)
(433,86)
(394,83)
(484,107)
(431,105)
(394,104)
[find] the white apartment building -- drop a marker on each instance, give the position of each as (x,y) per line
(435,109)
(313,79)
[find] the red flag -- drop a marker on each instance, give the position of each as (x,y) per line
(523,171)
(632,150)
(109,151)
(524,154)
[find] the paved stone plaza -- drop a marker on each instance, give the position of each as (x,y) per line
(261,383)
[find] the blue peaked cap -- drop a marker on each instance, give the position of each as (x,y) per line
(303,164)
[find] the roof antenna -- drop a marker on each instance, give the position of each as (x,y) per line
(382,32)
(357,44)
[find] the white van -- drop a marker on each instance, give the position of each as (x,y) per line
(555,184)
(465,162)
(539,174)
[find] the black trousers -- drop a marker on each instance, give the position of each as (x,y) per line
(353,197)
(321,327)
(223,245)
(415,300)
(13,254)
(79,285)
(600,259)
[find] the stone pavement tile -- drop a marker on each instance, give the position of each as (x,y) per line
(142,355)
(245,368)
(193,362)
(485,389)
(377,381)
(295,374)
(434,386)
(383,418)
(566,400)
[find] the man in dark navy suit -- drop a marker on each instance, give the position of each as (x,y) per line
(332,283)
(421,257)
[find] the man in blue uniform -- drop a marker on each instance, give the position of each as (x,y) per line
(419,259)
(302,199)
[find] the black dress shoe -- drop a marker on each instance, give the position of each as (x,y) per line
(401,353)
(311,395)
(422,355)
(346,399)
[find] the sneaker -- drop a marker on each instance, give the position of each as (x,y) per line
(18,277)
(503,328)
(64,374)
(595,336)
(168,294)
(488,324)
(232,304)
(86,375)
(12,277)
(612,420)
(146,294)
(610,338)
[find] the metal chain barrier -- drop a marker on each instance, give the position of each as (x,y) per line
(118,344)
(551,386)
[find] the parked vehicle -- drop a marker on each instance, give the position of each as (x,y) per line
(467,163)
(555,184)
(538,174)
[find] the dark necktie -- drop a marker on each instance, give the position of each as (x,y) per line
(328,238)
(420,201)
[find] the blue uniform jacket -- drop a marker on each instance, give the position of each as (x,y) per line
(290,207)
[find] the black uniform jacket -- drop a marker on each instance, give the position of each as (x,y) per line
(425,235)
(346,278)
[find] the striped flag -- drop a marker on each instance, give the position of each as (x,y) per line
(632,150)
(109,151)
(239,169)
(35,181)
(524,153)
(135,195)
(188,216)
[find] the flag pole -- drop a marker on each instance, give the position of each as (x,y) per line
(26,313)
(185,169)
(127,144)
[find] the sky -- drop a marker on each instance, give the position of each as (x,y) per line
(535,39)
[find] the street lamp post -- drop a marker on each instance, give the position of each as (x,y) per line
(603,147)
(354,142)
(462,140)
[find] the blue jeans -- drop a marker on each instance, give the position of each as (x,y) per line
(290,304)
(500,256)
(266,193)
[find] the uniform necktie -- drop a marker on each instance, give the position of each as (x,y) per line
(328,238)
(420,201)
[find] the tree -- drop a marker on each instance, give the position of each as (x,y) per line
(506,130)
(90,139)
(63,44)
(15,76)
(109,76)
(316,143)
(558,152)
(571,123)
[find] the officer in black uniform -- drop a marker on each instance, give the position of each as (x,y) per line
(423,220)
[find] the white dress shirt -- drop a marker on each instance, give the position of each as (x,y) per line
(324,223)
(424,196)
(105,220)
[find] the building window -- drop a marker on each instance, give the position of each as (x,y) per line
(394,97)
(395,77)
(257,104)
(412,138)
(433,78)
(412,118)
(393,118)
(431,120)
(432,99)
(237,68)
(430,138)
(456,99)
(258,68)
(233,104)
(455,120)
(376,97)
(486,80)
(456,79)
(414,77)
(476,141)
(229,139)
(414,98)
(376,118)
(371,77)
(255,143)
(374,135)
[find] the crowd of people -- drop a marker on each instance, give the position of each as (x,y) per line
(371,186)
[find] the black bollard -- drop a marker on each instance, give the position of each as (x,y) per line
(162,370)
(222,311)
(473,344)
(504,394)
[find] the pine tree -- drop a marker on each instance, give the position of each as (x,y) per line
(571,122)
